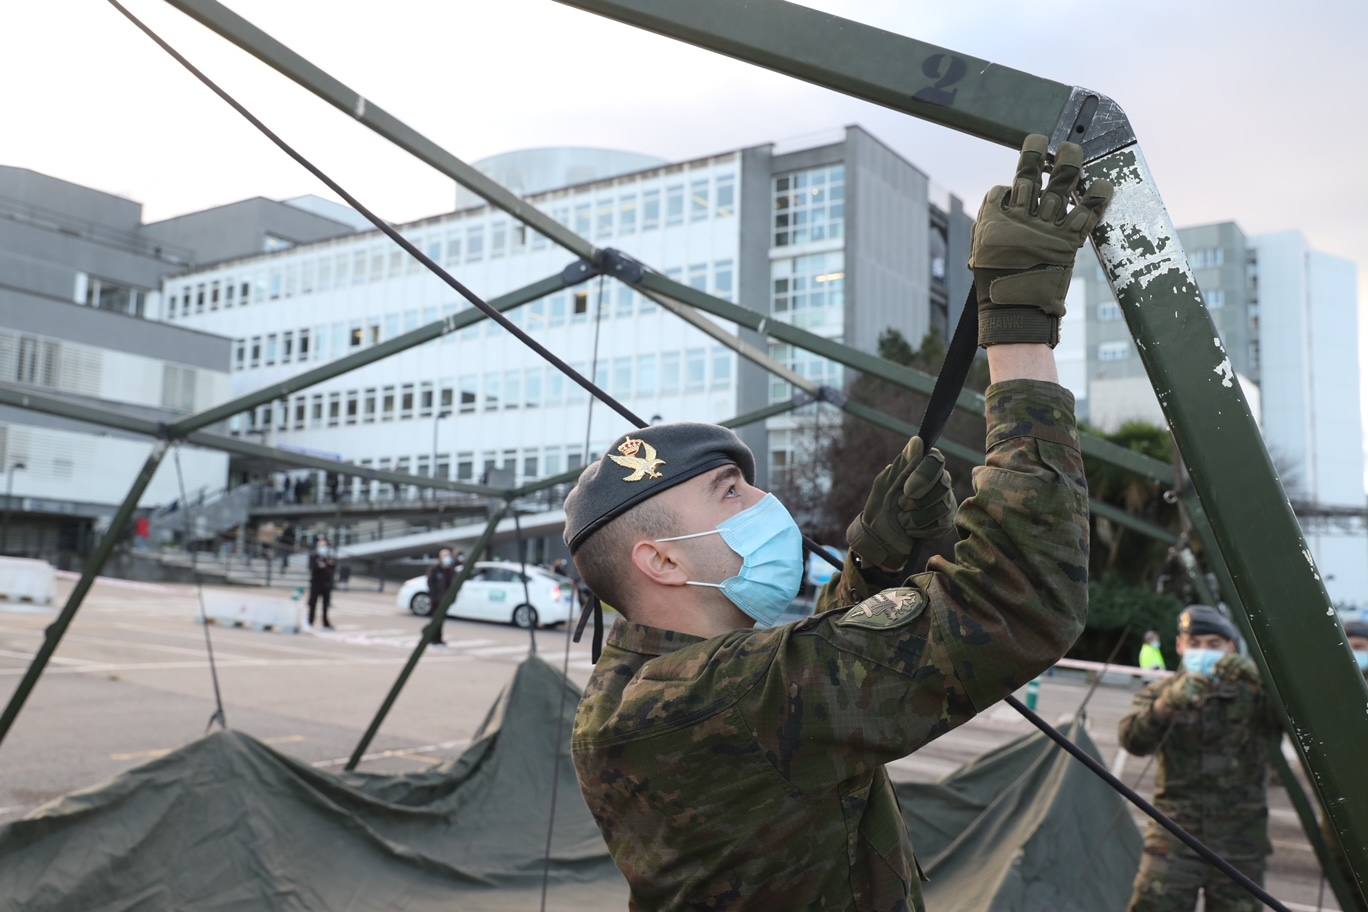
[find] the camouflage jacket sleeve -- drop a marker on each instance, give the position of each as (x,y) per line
(1141,730)
(847,690)
(851,586)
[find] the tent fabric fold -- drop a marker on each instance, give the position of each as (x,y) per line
(227,824)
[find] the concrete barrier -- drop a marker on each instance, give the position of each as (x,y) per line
(25,580)
(249,609)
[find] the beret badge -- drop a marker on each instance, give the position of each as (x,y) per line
(642,467)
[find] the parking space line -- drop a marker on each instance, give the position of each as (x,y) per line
(491,651)
(60,660)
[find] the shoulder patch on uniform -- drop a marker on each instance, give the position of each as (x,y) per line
(890,608)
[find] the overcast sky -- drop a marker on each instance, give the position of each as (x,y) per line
(1248,110)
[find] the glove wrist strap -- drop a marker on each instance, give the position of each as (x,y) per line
(1015,325)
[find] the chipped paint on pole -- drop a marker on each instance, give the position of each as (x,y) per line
(1295,628)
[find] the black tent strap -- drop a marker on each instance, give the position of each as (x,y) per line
(386,228)
(953,370)
(218,715)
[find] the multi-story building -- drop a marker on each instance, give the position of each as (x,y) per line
(78,270)
(837,235)
(1288,318)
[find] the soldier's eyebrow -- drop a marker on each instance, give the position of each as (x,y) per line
(726,475)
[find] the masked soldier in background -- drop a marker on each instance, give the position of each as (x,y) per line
(735,761)
(1212,726)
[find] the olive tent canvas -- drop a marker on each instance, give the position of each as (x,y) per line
(227,824)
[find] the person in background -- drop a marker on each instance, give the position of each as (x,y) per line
(287,541)
(1151,656)
(440,577)
(1212,725)
(322,569)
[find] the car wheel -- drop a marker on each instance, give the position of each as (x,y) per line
(524,616)
(420,604)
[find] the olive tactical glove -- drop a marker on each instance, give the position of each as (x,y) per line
(911,499)
(1236,667)
(1025,242)
(1182,693)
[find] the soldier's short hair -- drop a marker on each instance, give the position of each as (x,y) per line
(604,560)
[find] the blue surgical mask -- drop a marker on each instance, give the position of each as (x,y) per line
(1202,661)
(771,549)
(1362,656)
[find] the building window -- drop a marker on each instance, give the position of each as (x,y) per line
(426,398)
(498,240)
(581,226)
(316,409)
(674,205)
(303,345)
(622,377)
(465,466)
(669,373)
(532,387)
(353,406)
(581,307)
(695,370)
(271,345)
(453,249)
(698,200)
(1207,257)
(721,368)
(1108,311)
(470,394)
(556,310)
(357,337)
(650,210)
(334,409)
(287,346)
(809,291)
(603,218)
(406,401)
(1215,298)
(301,412)
(512,389)
(809,206)
(239,354)
(358,267)
(627,213)
(1113,351)
(387,404)
(646,375)
(475,243)
(698,276)
(256,352)
(555,386)
(491,392)
(724,194)
(368,403)
(724,279)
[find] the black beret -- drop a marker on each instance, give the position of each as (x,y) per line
(1203,620)
(1357,628)
(642,464)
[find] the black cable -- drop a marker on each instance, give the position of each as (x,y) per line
(1154,813)
(569,627)
(1092,689)
(218,714)
(385,227)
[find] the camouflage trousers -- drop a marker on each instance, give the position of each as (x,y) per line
(1170,881)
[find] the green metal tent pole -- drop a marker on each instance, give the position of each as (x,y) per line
(573,274)
(22,397)
(52,636)
(1344,891)
(429,634)
(992,93)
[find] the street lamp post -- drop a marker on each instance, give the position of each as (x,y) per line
(9,499)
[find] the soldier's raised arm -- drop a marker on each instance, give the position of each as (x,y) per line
(852,689)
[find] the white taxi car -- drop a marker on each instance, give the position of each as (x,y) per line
(495,593)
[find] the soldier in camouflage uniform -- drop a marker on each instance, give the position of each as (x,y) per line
(733,758)
(1213,727)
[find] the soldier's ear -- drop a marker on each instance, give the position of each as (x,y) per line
(653,560)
